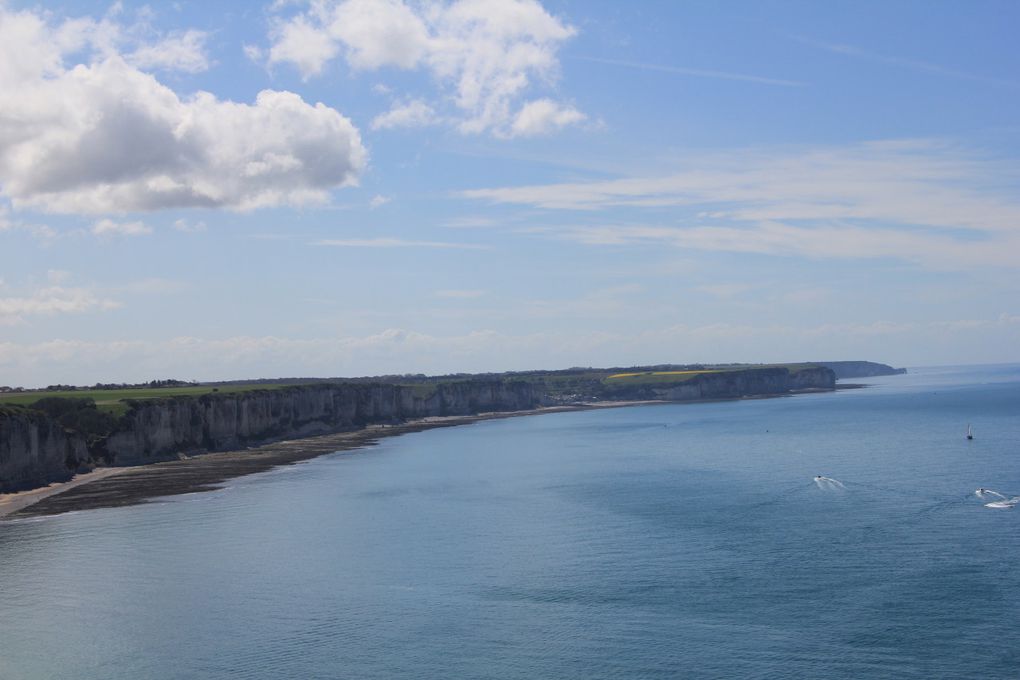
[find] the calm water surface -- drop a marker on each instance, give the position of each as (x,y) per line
(646,542)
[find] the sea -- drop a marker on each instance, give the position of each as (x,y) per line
(658,541)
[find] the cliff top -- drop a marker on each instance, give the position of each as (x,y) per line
(117,401)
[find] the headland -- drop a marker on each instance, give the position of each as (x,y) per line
(80,448)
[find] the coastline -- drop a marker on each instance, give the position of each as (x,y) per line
(109,487)
(11,503)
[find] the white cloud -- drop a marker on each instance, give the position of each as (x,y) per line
(253,53)
(189,227)
(181,52)
(402,351)
(394,243)
(302,44)
(41,232)
(53,299)
(379,201)
(413,114)
(470,222)
(915,182)
(543,116)
(775,238)
(108,227)
(916,200)
(103,136)
(376,33)
(484,54)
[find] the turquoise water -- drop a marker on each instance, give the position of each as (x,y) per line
(644,542)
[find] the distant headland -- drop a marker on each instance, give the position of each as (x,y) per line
(51,435)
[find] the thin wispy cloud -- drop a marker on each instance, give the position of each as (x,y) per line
(470,222)
(916,200)
(397,350)
(394,243)
(905,62)
(460,294)
(52,300)
(189,227)
(778,239)
(696,72)
(108,227)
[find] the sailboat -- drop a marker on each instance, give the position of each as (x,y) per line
(970,432)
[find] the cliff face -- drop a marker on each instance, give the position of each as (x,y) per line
(817,378)
(163,429)
(35,450)
(861,369)
(732,384)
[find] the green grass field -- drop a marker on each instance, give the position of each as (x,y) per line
(656,377)
(666,377)
(581,382)
(113,401)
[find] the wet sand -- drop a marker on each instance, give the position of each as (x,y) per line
(11,503)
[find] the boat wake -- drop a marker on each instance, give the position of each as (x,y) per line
(828,483)
(1003,502)
(996,500)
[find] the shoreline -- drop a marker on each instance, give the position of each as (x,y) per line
(15,501)
(109,487)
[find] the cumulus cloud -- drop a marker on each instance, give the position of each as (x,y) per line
(412,114)
(108,227)
(544,116)
(104,136)
(180,52)
(301,43)
(376,33)
(484,54)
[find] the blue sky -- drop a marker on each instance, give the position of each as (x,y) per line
(387,186)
